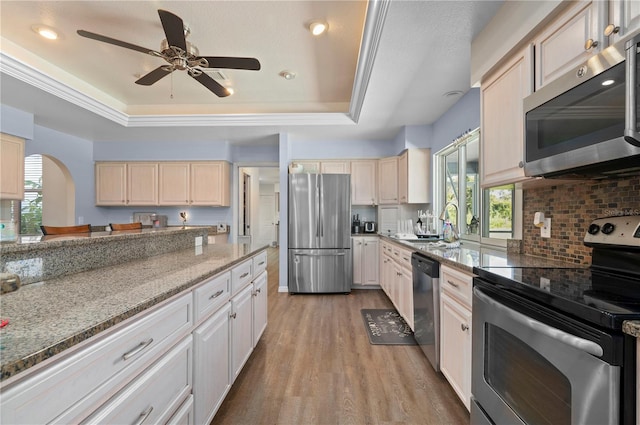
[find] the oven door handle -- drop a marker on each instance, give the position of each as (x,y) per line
(557,334)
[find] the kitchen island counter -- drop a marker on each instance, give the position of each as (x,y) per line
(48,317)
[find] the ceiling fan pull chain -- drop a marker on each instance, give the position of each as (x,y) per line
(172,85)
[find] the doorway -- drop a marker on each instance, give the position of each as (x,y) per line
(258,205)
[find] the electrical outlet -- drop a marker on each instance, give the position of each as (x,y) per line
(545,284)
(545,231)
(198,240)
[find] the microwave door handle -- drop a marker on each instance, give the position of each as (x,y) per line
(631,118)
(557,334)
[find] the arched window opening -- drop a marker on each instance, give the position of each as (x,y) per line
(30,208)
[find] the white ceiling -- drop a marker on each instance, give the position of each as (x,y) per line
(402,63)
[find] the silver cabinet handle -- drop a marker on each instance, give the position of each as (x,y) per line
(590,44)
(143,416)
(455,285)
(557,334)
(258,290)
(244,275)
(405,258)
(464,327)
(216,295)
(611,29)
(140,347)
(261,263)
(233,315)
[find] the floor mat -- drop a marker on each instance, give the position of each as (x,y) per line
(387,327)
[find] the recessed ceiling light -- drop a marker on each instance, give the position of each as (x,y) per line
(45,31)
(288,75)
(318,27)
(452,93)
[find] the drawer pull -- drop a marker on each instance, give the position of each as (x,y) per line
(233,316)
(243,275)
(216,295)
(455,285)
(140,347)
(464,327)
(143,416)
(405,258)
(261,263)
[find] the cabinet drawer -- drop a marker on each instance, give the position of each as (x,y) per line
(402,256)
(259,263)
(155,395)
(72,386)
(211,295)
(457,284)
(241,276)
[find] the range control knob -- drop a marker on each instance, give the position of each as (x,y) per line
(608,228)
(593,229)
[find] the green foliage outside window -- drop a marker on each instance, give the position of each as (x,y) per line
(31,208)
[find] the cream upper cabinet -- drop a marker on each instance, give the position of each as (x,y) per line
(363,182)
(388,180)
(311,167)
(334,167)
(111,183)
(173,183)
(414,176)
(502,120)
(142,183)
(624,17)
(209,183)
(568,41)
(11,167)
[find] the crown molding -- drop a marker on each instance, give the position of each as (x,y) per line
(374,22)
(240,120)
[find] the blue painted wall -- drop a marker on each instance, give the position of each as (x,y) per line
(464,115)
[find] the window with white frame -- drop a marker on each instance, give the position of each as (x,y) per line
(482,215)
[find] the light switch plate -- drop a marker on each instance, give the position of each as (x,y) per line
(545,231)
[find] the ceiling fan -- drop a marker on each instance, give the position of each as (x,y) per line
(181,55)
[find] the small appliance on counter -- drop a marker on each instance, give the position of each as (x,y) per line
(356,227)
(369,227)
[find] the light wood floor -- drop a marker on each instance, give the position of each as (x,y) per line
(314,365)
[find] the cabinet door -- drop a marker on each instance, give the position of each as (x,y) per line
(388,180)
(11,167)
(241,330)
(259,307)
(624,18)
(403,177)
(356,250)
(211,380)
(364,190)
(414,176)
(173,183)
(334,167)
(406,295)
(111,183)
(370,261)
(142,183)
(502,121)
(561,46)
(310,167)
(209,183)
(455,354)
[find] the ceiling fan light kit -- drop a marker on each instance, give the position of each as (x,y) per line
(45,31)
(181,55)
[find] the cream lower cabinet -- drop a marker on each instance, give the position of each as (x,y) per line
(11,167)
(365,261)
(397,279)
(212,364)
(259,307)
(241,324)
(455,330)
(502,120)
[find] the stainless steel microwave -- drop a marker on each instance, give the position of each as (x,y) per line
(586,123)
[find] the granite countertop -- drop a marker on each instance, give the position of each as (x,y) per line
(631,327)
(47,317)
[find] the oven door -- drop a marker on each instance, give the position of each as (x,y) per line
(526,371)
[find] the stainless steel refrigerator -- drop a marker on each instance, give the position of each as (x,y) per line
(320,233)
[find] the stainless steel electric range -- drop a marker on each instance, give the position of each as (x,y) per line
(548,345)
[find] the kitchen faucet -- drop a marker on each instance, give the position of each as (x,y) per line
(443,216)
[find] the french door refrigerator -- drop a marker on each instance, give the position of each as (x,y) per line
(319,258)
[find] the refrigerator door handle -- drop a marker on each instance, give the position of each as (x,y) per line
(317,210)
(339,254)
(321,207)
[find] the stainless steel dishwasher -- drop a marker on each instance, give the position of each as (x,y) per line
(426,306)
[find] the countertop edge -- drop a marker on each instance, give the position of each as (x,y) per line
(14,368)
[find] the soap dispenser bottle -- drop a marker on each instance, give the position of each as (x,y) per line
(447,232)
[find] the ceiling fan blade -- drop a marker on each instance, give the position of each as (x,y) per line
(153,76)
(212,85)
(251,64)
(173,29)
(113,41)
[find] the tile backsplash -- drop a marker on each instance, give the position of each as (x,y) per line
(571,208)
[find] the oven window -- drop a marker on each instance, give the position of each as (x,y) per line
(534,389)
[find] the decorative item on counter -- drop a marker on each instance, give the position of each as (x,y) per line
(447,232)
(183,217)
(473,225)
(9,282)
(4,322)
